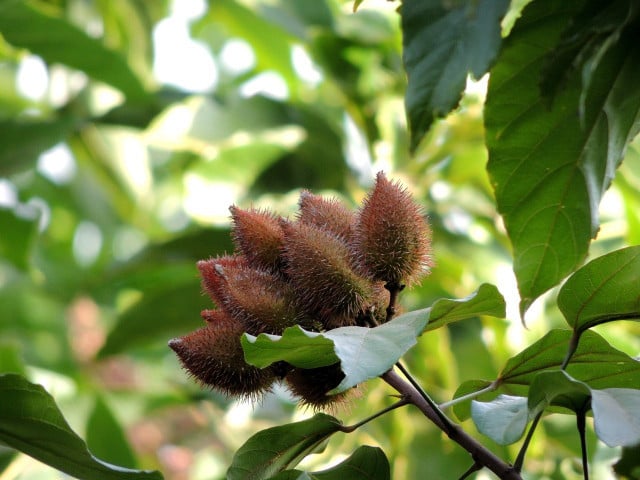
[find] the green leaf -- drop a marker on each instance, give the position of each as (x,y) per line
(558,388)
(616,416)
(547,195)
(595,362)
(604,290)
(18,237)
(31,422)
(106,438)
(10,359)
(23,141)
(58,41)
(296,346)
(276,449)
(487,300)
(503,419)
(442,43)
(366,353)
(366,463)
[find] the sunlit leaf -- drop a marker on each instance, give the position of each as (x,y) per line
(616,416)
(31,422)
(366,463)
(58,41)
(487,300)
(595,362)
(365,353)
(549,196)
(444,42)
(280,448)
(604,290)
(503,419)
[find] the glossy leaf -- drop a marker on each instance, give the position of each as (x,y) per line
(58,41)
(503,419)
(279,448)
(366,463)
(444,42)
(616,416)
(31,422)
(549,196)
(604,290)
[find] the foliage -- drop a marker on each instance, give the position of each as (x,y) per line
(116,181)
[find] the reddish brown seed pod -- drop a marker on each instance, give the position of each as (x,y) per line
(320,271)
(326,213)
(312,385)
(212,281)
(392,238)
(258,235)
(214,356)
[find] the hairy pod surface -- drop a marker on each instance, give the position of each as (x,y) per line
(392,240)
(311,385)
(258,235)
(327,214)
(213,355)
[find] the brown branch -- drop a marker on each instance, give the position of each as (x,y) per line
(479,453)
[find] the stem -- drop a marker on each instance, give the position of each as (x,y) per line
(480,454)
(523,450)
(394,290)
(400,403)
(573,346)
(424,395)
(472,469)
(469,396)
(580,420)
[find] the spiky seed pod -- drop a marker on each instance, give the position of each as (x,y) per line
(262,301)
(212,281)
(326,213)
(258,235)
(392,239)
(213,355)
(311,386)
(320,272)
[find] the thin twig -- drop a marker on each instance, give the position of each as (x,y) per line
(472,469)
(479,452)
(523,450)
(350,428)
(580,420)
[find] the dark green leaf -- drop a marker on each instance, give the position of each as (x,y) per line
(276,449)
(548,195)
(503,419)
(616,416)
(31,422)
(605,289)
(18,237)
(366,463)
(58,41)
(557,387)
(106,438)
(443,42)
(487,300)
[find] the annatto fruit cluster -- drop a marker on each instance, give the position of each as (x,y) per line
(329,267)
